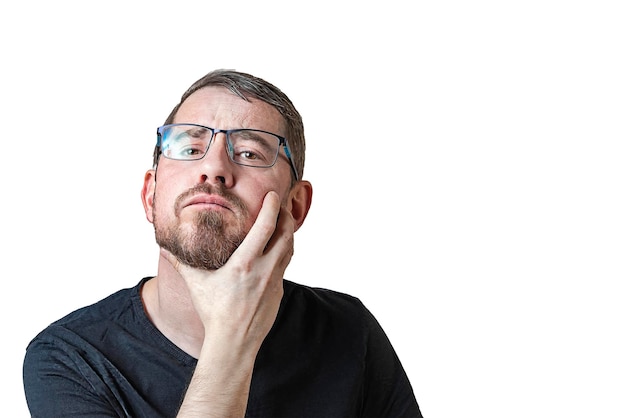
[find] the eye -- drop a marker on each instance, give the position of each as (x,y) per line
(190,150)
(248,155)
(185,143)
(254,148)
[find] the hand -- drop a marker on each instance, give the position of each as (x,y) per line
(238,303)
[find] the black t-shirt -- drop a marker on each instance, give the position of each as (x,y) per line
(326,356)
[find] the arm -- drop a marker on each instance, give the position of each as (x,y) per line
(237,305)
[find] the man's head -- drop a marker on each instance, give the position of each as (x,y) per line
(211,173)
(248,87)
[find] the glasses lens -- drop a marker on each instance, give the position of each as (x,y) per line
(185,142)
(253,148)
(245,146)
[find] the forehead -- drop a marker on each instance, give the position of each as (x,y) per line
(219,108)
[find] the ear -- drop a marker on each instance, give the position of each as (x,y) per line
(299,201)
(147,194)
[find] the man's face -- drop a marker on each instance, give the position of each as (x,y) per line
(203,209)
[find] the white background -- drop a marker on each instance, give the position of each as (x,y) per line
(467,160)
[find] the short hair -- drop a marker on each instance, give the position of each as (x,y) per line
(249,87)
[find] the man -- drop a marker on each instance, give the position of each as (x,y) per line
(219,332)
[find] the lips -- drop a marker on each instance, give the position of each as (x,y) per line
(207,199)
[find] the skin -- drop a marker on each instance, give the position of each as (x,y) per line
(221,316)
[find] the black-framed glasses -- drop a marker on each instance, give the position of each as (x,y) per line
(248,147)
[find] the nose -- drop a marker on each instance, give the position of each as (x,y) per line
(216,166)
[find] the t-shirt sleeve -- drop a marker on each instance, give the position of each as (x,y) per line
(388,391)
(59,382)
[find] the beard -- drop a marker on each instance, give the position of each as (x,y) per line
(212,240)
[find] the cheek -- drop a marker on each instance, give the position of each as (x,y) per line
(171,181)
(164,196)
(253,197)
(254,202)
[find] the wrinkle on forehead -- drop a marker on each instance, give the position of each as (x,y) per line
(219,108)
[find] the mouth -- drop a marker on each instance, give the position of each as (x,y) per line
(208,202)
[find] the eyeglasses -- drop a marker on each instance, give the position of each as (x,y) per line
(247,147)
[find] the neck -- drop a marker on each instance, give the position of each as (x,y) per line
(168,305)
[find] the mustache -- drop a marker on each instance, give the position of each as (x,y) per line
(205,188)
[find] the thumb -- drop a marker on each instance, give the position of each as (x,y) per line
(171,259)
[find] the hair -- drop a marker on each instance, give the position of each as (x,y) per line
(249,87)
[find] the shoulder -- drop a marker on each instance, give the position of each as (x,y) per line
(326,309)
(91,321)
(322,299)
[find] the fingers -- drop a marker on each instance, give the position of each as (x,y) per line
(271,236)
(259,235)
(282,239)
